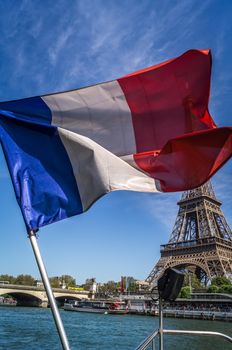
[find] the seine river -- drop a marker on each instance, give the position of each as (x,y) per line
(33,329)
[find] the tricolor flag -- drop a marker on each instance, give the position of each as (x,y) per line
(148,131)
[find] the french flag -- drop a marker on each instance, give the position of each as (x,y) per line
(148,131)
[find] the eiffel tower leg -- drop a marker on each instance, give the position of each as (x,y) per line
(158,270)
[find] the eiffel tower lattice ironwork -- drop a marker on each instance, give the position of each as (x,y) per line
(201,238)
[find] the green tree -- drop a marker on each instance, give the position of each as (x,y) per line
(213,289)
(55,281)
(9,278)
(133,287)
(58,281)
(185,292)
(26,280)
(130,283)
(109,288)
(68,280)
(190,279)
(220,280)
(225,288)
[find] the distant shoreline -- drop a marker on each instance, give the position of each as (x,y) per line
(199,314)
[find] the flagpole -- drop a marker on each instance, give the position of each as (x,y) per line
(51,298)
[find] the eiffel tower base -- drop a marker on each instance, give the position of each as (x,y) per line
(201,239)
(208,258)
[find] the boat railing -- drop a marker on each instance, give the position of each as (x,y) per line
(149,342)
(168,288)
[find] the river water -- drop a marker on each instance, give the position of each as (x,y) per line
(24,328)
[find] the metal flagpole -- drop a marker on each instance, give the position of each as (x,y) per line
(161,325)
(52,301)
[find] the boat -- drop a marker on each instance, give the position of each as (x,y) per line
(118,308)
(7,301)
(98,307)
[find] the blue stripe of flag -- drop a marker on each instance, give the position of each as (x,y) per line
(41,171)
(32,110)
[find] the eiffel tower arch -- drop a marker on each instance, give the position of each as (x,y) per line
(201,238)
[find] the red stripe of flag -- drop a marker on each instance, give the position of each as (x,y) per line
(170,99)
(187,162)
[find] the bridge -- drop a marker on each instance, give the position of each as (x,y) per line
(36,296)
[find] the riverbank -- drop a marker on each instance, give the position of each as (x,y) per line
(202,306)
(187,314)
(200,315)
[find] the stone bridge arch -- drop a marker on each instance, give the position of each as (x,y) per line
(62,298)
(36,296)
(26,298)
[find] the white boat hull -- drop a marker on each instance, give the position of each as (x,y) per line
(70,307)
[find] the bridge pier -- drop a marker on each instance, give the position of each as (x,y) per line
(44,304)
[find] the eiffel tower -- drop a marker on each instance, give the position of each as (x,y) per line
(201,238)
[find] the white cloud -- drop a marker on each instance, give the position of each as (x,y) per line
(162,208)
(97,41)
(123,44)
(61,42)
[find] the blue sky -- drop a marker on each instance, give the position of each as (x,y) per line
(48,46)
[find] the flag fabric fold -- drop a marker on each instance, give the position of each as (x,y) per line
(148,131)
